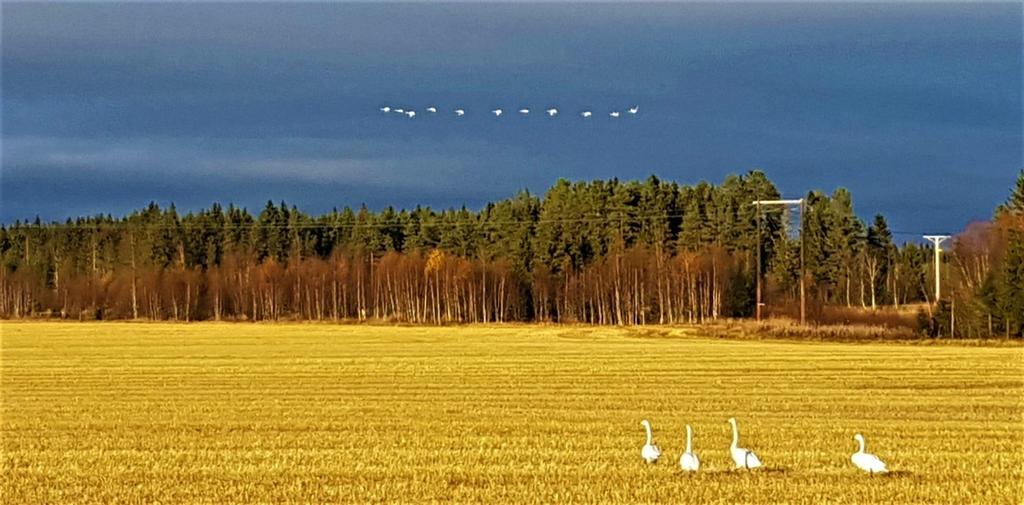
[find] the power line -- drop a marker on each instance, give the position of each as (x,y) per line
(437,222)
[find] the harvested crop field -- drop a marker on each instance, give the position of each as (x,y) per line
(218,413)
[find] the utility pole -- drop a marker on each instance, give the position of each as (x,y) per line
(937,239)
(757,303)
(800,202)
(803,275)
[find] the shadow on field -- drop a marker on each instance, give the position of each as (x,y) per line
(733,471)
(782,470)
(894,474)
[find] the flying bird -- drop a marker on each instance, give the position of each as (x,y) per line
(586,113)
(867,462)
(460,112)
(633,110)
(649,452)
(689,461)
(497,112)
(744,458)
(411,113)
(614,114)
(552,111)
(385,109)
(524,111)
(400,111)
(432,110)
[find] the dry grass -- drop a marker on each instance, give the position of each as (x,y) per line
(785,328)
(789,329)
(218,413)
(886,316)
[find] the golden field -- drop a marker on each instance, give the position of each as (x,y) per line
(221,413)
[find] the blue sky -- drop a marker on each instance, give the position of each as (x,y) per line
(916,108)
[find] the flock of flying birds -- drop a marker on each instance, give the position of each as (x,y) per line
(552,112)
(745,458)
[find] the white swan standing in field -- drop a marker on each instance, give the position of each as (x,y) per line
(634,109)
(744,458)
(460,112)
(867,462)
(586,113)
(552,112)
(650,452)
(689,461)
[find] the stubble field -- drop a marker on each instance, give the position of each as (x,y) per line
(222,413)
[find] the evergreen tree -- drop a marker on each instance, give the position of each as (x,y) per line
(878,258)
(1010,289)
(1015,203)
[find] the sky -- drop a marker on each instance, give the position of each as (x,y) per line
(916,108)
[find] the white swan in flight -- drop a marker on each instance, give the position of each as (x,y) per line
(867,462)
(385,109)
(432,110)
(586,113)
(650,452)
(524,111)
(552,111)
(497,112)
(400,111)
(634,109)
(614,113)
(744,458)
(689,461)
(411,113)
(460,112)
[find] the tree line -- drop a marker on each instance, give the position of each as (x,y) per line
(987,270)
(602,251)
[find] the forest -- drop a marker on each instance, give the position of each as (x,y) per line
(602,252)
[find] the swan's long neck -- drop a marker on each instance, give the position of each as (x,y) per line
(735,435)
(689,434)
(649,438)
(860,440)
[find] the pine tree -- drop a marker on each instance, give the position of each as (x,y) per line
(1015,203)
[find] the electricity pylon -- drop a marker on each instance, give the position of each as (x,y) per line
(803,303)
